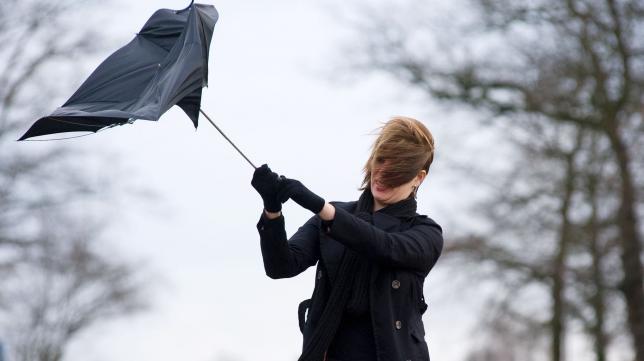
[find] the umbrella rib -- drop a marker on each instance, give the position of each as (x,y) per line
(222,133)
(75,136)
(48,140)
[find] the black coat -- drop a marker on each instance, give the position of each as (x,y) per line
(403,248)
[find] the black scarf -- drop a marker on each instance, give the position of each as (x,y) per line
(350,291)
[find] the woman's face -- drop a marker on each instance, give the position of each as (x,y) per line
(384,195)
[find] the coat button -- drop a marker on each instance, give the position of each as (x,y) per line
(319,274)
(395,284)
(398,325)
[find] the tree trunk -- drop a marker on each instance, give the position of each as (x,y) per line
(558,321)
(598,298)
(633,283)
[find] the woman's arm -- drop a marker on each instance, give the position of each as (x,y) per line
(418,247)
(287,258)
(282,257)
(328,212)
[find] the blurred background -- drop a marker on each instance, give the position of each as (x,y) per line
(140,242)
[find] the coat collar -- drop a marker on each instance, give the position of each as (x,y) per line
(405,208)
(390,217)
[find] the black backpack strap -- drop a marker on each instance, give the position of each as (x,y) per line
(301,313)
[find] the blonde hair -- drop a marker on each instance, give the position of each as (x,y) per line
(409,147)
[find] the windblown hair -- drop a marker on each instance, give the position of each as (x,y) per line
(409,147)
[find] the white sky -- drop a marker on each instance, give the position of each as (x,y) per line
(270,91)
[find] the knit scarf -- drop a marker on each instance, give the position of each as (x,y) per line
(350,292)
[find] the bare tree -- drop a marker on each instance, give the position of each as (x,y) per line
(533,233)
(543,237)
(63,285)
(56,279)
(549,62)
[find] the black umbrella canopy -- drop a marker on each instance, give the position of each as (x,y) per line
(165,64)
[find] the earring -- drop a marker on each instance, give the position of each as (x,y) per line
(413,190)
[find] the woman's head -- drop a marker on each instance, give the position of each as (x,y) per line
(399,161)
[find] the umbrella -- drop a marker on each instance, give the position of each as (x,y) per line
(165,64)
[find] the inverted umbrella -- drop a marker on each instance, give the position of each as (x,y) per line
(165,64)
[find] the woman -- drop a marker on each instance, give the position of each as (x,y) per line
(372,255)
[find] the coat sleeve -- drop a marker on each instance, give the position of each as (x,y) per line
(287,258)
(416,248)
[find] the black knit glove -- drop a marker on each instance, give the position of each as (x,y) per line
(266,182)
(295,190)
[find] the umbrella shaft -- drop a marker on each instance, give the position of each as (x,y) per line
(222,133)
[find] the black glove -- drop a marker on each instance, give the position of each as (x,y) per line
(266,182)
(295,190)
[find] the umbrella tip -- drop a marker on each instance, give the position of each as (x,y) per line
(188,7)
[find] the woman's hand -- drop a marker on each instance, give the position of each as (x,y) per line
(295,190)
(267,184)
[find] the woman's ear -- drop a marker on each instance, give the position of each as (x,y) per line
(421,176)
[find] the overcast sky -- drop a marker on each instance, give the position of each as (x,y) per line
(272,90)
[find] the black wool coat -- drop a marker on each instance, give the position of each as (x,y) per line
(403,249)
